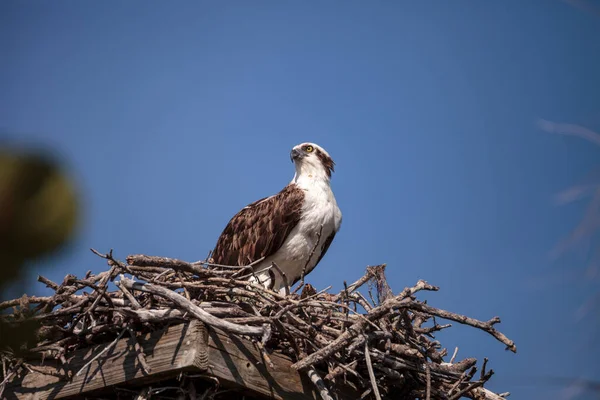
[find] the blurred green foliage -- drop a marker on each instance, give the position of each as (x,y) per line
(39,211)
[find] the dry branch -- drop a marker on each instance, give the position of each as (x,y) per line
(193,309)
(385,352)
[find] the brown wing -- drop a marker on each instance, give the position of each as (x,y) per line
(260,228)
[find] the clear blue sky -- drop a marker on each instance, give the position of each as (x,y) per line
(174,115)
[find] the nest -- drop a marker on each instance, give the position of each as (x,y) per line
(380,343)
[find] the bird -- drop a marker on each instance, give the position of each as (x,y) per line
(284,236)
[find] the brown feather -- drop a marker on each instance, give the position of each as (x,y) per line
(327,162)
(260,228)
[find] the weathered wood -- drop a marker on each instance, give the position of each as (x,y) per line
(168,352)
(239,363)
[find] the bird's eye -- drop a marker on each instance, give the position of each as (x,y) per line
(308,149)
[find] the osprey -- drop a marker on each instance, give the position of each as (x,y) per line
(293,228)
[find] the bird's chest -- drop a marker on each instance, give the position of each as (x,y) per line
(303,247)
(320,217)
(319,210)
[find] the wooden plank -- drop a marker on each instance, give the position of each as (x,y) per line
(239,363)
(168,352)
(209,352)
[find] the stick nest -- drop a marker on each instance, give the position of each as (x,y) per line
(380,343)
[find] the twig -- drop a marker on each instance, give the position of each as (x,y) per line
(340,369)
(185,290)
(48,282)
(371,373)
(209,264)
(483,374)
(34,300)
(134,303)
(456,384)
(245,267)
(428,377)
(467,389)
(7,378)
(347,299)
(139,352)
(193,309)
(358,326)
(454,355)
(320,385)
(107,348)
(140,260)
(484,326)
(286,285)
(371,273)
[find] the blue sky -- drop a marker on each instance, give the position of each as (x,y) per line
(173,115)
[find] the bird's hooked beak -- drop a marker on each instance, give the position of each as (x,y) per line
(296,155)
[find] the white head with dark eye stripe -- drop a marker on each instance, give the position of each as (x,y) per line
(312,161)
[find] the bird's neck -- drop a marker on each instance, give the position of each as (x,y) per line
(307,176)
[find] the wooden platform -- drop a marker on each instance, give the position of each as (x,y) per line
(188,347)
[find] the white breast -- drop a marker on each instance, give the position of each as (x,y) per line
(321,217)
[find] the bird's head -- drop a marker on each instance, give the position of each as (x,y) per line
(312,161)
